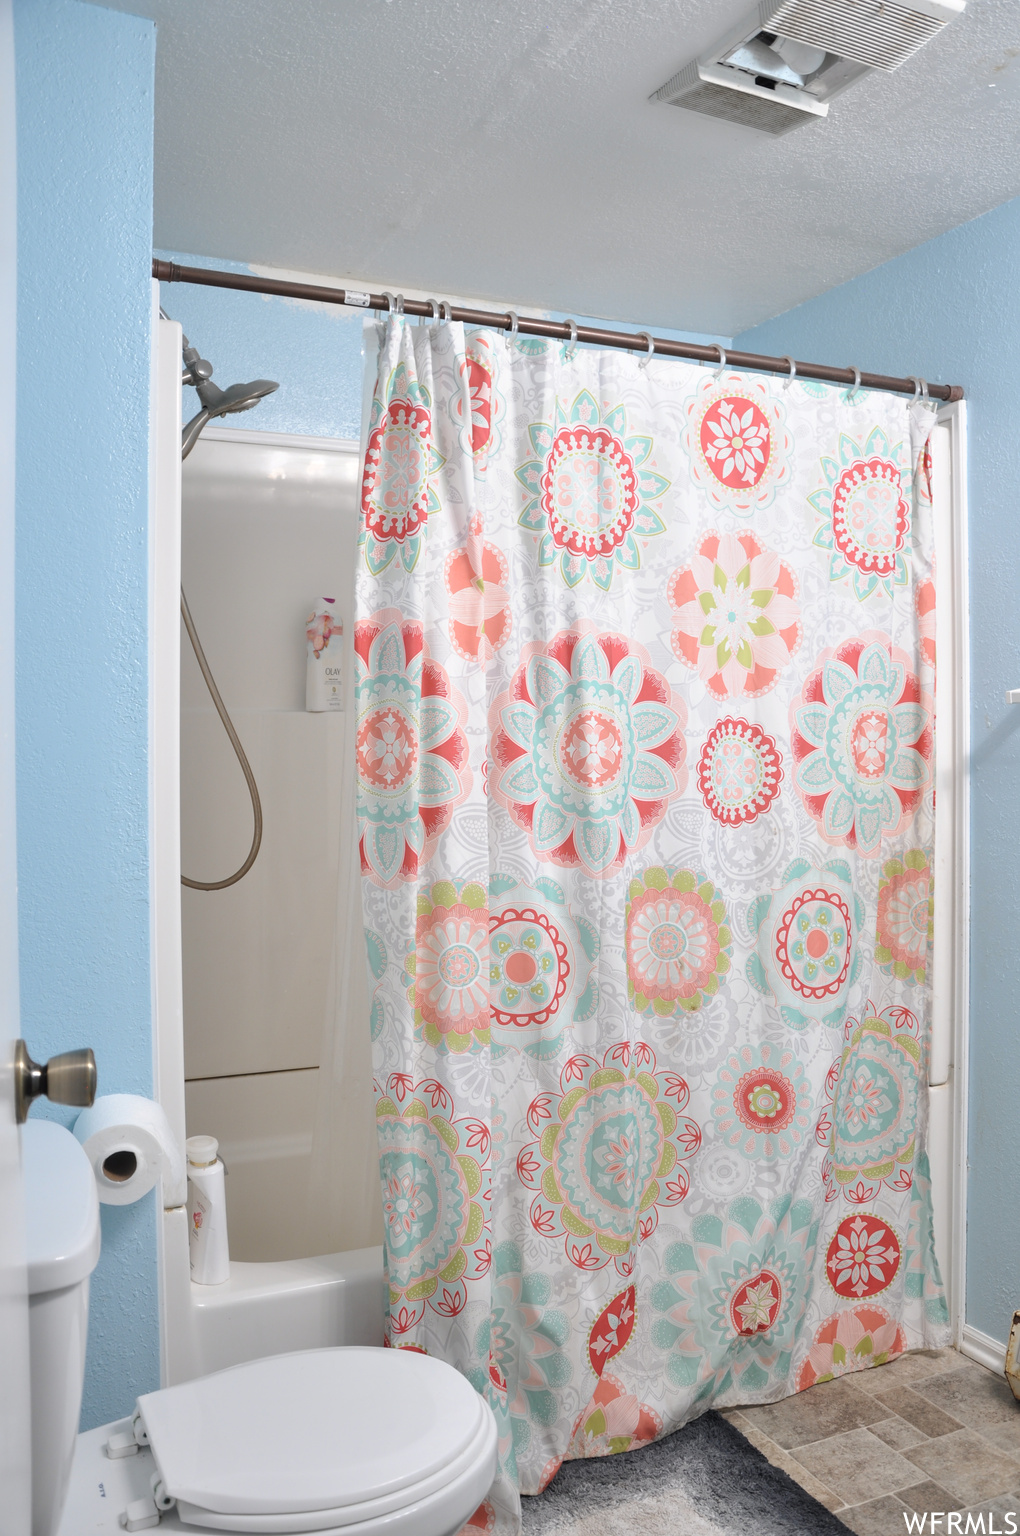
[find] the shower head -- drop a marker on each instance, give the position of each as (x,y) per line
(215,401)
(239,397)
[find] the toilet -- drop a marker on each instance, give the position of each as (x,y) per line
(62,1250)
(363,1441)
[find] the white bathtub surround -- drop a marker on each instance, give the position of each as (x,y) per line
(275,1015)
(267,1116)
(264,1126)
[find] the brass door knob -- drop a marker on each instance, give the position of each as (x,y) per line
(69,1078)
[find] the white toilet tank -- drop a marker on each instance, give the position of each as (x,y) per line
(62,1219)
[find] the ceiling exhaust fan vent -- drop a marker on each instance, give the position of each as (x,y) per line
(878,33)
(698,88)
(784,63)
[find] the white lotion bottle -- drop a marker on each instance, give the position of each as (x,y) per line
(324,632)
(207,1212)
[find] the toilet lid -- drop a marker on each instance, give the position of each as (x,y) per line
(317,1430)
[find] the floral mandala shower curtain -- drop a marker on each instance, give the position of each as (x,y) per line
(645,678)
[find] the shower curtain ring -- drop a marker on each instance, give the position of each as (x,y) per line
(445,312)
(394,303)
(920,389)
(722,362)
(793,370)
(650,344)
(511,330)
(435,312)
(568,356)
(855,386)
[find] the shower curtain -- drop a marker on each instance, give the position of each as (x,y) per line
(645,715)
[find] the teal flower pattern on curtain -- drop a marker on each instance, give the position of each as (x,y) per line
(645,732)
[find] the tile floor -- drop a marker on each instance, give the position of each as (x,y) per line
(930,1431)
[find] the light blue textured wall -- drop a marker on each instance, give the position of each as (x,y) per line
(312,350)
(84,119)
(950,310)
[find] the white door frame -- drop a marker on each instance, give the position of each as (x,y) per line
(166,980)
(947,1072)
(15,1438)
(951,948)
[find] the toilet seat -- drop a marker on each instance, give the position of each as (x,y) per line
(321,1440)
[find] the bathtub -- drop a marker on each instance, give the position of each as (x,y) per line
(263,1309)
(269,1309)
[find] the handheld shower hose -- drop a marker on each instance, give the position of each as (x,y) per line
(220,402)
(235,742)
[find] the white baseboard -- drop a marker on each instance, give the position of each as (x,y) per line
(983,1348)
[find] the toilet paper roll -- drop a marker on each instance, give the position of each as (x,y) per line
(130,1145)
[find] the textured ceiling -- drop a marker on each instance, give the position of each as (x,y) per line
(509,148)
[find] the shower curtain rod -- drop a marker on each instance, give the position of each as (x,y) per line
(559,330)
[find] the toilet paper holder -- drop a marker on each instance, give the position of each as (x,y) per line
(131,1146)
(69,1078)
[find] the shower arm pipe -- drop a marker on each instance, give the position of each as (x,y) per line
(558,330)
(235,742)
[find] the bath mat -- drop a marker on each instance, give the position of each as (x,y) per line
(704,1480)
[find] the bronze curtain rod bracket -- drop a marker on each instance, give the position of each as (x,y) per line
(557,330)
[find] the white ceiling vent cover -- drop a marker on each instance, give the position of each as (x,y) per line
(781,66)
(707,89)
(873,32)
